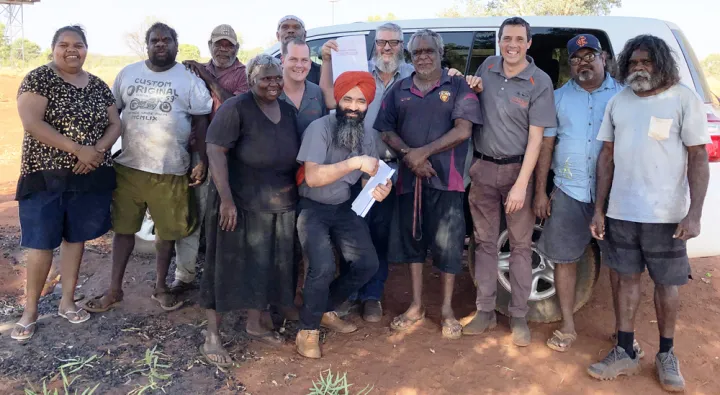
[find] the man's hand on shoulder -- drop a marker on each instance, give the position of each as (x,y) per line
(198,69)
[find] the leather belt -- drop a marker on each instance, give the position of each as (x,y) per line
(499,161)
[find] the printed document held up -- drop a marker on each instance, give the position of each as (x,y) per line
(351,56)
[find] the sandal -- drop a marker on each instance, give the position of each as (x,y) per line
(206,355)
(78,318)
(94,305)
(451,329)
(271,338)
(167,301)
(561,341)
(403,322)
(26,336)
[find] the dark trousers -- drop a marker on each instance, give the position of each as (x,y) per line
(378,221)
(491,184)
(320,227)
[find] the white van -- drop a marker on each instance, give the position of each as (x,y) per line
(469,41)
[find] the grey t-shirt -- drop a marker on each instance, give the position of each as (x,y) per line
(651,135)
(317,147)
(510,106)
(404,70)
(156,116)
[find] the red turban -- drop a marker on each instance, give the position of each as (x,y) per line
(350,79)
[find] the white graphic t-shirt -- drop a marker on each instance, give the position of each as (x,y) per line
(156,116)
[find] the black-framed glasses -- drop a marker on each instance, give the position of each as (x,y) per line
(424,51)
(588,58)
(393,43)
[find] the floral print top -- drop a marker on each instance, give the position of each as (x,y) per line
(79,114)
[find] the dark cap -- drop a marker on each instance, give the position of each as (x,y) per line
(583,41)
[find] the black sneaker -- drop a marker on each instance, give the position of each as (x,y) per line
(617,363)
(668,371)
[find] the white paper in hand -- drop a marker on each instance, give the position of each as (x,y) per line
(365,200)
(352,55)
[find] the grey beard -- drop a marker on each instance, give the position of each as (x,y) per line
(390,66)
(349,134)
(642,81)
(586,75)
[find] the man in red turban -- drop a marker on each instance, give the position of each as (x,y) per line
(335,154)
(351,79)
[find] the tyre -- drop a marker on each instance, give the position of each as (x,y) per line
(543,303)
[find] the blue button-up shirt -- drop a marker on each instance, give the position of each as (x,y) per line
(580,114)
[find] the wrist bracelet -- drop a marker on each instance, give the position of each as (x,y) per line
(77,150)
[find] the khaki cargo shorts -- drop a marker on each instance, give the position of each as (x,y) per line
(166,196)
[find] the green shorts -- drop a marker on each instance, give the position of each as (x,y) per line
(166,196)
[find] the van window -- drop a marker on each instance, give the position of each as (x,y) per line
(701,85)
(482,48)
(549,51)
(316,48)
(457,48)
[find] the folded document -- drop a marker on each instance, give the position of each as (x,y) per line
(365,200)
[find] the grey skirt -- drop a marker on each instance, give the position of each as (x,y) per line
(251,267)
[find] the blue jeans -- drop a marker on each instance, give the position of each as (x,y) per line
(378,220)
(320,227)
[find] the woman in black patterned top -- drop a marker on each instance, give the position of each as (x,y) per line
(66,178)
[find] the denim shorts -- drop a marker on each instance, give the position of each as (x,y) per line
(48,218)
(566,234)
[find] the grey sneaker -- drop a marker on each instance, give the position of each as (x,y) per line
(668,370)
(617,363)
(636,346)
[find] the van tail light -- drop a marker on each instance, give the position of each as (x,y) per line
(713,148)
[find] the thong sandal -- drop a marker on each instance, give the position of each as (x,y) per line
(206,355)
(271,338)
(167,301)
(26,336)
(94,306)
(403,322)
(561,342)
(79,319)
(451,330)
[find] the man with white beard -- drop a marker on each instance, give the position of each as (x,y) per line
(571,150)
(654,167)
(387,66)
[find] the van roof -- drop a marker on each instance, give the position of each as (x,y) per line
(492,22)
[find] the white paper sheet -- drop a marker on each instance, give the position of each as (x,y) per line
(365,200)
(352,55)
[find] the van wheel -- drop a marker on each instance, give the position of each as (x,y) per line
(543,302)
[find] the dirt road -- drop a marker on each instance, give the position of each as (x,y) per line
(415,363)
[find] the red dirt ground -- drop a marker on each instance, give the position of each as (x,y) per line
(411,364)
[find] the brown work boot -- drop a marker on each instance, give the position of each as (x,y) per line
(331,321)
(372,311)
(307,344)
(520,331)
(481,322)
